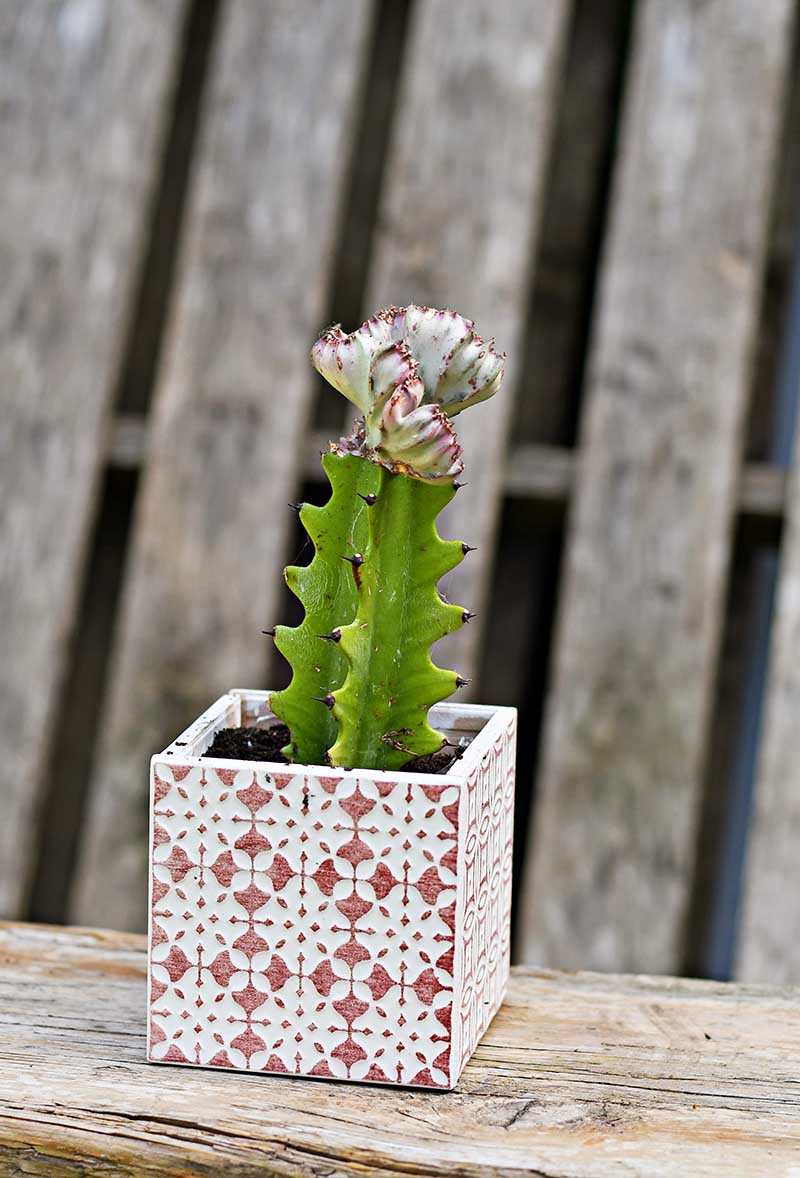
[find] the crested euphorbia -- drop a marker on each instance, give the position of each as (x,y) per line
(363,680)
(409,370)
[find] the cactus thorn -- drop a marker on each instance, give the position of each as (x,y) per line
(467,615)
(457,486)
(334,635)
(328,699)
(465,548)
(298,507)
(269,633)
(370,499)
(356,561)
(462,682)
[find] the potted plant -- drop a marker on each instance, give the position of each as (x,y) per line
(331,864)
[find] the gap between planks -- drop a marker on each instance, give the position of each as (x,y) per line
(543,473)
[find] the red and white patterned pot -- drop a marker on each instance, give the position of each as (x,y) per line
(350,924)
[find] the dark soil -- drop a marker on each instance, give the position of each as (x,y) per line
(250,744)
(265,744)
(434,762)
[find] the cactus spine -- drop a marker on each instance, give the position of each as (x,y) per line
(363,679)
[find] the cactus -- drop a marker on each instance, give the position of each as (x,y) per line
(363,679)
(381,708)
(327,589)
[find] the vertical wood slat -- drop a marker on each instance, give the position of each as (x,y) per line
(461,206)
(232,402)
(610,868)
(768,942)
(84,93)
(744,663)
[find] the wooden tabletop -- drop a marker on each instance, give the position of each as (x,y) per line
(580,1075)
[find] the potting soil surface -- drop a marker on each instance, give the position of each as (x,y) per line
(265,744)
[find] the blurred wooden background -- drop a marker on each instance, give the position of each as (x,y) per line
(192,190)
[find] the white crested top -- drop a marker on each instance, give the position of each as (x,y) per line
(409,370)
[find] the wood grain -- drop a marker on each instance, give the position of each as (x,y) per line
(232,401)
(84,97)
(579,1076)
(768,945)
(640,611)
(750,607)
(457,225)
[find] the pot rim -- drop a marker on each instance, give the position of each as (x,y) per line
(487,722)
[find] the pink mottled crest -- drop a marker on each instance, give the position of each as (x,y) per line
(409,370)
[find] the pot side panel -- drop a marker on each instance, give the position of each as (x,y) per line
(304,924)
(487,822)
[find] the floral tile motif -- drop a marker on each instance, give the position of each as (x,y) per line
(335,926)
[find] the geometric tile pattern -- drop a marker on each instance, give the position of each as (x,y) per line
(487,817)
(348,926)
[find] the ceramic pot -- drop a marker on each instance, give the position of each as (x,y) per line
(309,921)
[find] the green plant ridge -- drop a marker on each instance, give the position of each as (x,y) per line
(381,709)
(327,591)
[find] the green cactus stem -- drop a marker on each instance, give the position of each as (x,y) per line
(327,591)
(381,708)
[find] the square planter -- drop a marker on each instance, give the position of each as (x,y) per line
(349,924)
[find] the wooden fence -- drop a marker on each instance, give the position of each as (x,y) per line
(193,188)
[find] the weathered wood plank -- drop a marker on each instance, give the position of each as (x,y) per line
(232,403)
(461,206)
(579,1076)
(768,943)
(743,664)
(611,861)
(767,946)
(84,92)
